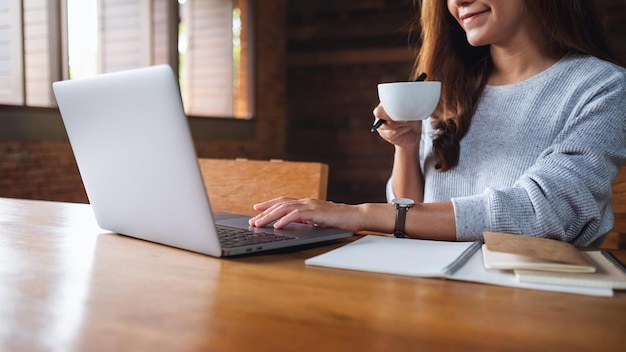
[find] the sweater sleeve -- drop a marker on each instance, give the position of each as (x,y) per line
(389,191)
(566,194)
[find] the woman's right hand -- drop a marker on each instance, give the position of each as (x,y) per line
(284,210)
(404,134)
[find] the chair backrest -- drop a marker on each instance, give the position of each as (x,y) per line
(234,185)
(618,203)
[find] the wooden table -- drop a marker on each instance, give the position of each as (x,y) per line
(66,285)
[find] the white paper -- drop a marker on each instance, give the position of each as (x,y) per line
(424,258)
(401,256)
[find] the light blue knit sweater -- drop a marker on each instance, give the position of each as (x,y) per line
(539,157)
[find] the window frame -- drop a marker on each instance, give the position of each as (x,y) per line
(59,56)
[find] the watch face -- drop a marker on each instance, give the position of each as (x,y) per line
(403,202)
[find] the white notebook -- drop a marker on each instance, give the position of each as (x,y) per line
(610,273)
(399,256)
(510,261)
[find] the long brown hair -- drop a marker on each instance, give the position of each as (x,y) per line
(446,56)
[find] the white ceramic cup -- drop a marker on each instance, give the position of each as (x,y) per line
(409,101)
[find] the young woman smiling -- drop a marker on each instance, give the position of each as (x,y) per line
(529,133)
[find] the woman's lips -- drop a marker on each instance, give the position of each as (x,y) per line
(471,16)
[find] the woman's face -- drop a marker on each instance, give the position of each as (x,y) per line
(489,22)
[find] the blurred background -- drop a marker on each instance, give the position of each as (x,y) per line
(300,84)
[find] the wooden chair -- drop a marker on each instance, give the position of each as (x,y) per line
(617,238)
(234,185)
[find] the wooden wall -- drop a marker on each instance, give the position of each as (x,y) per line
(337,53)
(613,13)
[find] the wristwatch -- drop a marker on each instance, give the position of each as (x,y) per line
(402,206)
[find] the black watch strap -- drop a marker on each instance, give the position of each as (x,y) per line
(402,205)
(400,222)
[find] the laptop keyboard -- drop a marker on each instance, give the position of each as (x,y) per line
(232,237)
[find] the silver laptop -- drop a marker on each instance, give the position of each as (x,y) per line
(137,160)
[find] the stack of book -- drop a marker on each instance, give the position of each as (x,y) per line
(547,261)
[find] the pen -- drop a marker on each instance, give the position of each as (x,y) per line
(379,122)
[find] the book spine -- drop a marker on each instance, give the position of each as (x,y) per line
(462,259)
(610,257)
(572,282)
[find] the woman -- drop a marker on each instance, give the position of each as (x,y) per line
(528,136)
